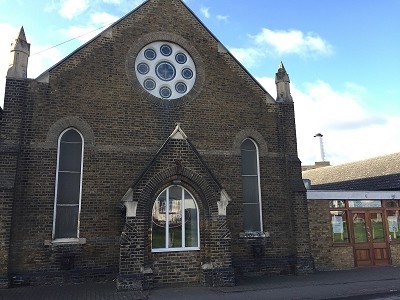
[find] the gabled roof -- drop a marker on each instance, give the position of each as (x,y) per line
(378,173)
(44,74)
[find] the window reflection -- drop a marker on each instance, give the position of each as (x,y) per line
(175,222)
(393,220)
(339,227)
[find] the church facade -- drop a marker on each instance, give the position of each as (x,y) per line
(148,156)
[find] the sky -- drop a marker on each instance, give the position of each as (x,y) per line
(343,58)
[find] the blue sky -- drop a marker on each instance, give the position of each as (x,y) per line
(342,57)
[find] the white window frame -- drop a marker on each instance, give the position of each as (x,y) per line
(167,249)
(258,182)
(76,239)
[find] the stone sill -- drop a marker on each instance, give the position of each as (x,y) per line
(342,245)
(253,235)
(72,241)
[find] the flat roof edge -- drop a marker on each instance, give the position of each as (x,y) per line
(352,195)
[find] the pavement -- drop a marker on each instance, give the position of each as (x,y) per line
(355,284)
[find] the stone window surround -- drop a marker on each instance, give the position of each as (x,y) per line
(53,134)
(168,37)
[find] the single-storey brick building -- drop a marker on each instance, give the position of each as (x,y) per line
(354,213)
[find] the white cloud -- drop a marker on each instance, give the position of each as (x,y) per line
(72,8)
(98,21)
(38,63)
(205,11)
(247,56)
(351,132)
(223,18)
(293,42)
(277,43)
(103,19)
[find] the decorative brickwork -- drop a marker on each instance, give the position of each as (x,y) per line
(177,162)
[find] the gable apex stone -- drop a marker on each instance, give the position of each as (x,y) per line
(178,133)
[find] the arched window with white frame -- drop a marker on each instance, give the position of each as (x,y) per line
(251,186)
(175,221)
(68,184)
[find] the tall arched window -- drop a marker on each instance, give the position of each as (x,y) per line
(175,221)
(68,185)
(251,186)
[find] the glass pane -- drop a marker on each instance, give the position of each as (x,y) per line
(251,217)
(248,145)
(360,234)
(191,220)
(175,193)
(250,189)
(249,162)
(71,136)
(365,203)
(337,204)
(70,157)
(393,220)
(377,227)
(159,222)
(68,188)
(66,222)
(391,203)
(339,227)
(175,217)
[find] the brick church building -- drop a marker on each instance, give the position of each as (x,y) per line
(148,156)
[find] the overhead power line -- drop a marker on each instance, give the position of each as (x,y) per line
(74,38)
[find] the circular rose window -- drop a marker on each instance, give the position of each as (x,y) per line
(165,70)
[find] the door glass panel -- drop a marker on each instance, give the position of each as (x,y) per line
(377,227)
(360,233)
